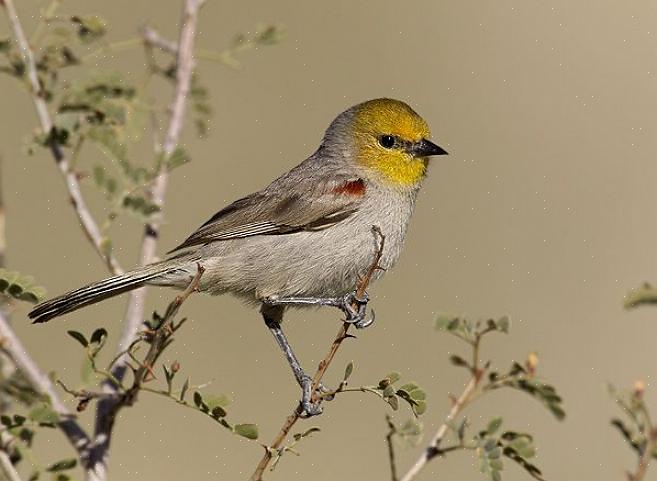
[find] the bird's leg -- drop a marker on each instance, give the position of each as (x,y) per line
(273,315)
(355,316)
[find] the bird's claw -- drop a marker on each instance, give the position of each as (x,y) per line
(357,316)
(308,407)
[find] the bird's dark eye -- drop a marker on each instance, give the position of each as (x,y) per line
(387,141)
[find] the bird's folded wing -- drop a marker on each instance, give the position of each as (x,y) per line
(305,207)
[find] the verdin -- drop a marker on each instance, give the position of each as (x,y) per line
(305,238)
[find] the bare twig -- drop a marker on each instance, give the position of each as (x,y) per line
(6,466)
(324,364)
(11,345)
(135,307)
(153,38)
(433,448)
(88,223)
(8,469)
(391,449)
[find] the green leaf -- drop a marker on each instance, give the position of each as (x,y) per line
(348,370)
(389,391)
(490,463)
(99,336)
(62,465)
(494,425)
(420,407)
(5,45)
(178,158)
(90,27)
(108,139)
(393,377)
(308,432)
(212,401)
(140,206)
(43,414)
(394,402)
(408,387)
(78,336)
(184,389)
(503,324)
(249,431)
(644,295)
(218,412)
(446,322)
(19,286)
(532,470)
(458,361)
(198,401)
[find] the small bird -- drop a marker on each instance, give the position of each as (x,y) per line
(306,238)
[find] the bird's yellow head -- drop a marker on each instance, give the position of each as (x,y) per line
(391,139)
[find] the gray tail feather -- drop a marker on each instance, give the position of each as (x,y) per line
(99,291)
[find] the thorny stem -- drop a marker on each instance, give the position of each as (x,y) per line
(324,364)
(87,221)
(459,404)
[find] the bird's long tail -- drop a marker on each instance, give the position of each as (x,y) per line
(101,290)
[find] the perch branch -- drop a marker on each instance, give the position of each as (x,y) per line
(87,222)
(324,364)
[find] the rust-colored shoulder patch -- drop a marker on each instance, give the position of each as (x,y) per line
(355,188)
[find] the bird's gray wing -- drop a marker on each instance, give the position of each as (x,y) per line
(305,206)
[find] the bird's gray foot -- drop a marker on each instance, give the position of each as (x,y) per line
(308,407)
(357,316)
(353,315)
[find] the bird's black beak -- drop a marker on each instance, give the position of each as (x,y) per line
(426,148)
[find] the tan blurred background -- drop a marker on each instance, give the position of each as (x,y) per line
(544,211)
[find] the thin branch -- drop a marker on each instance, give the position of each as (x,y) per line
(324,364)
(154,39)
(433,448)
(645,458)
(136,302)
(87,222)
(41,383)
(7,468)
(391,449)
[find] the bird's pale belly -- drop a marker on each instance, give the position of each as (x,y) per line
(313,264)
